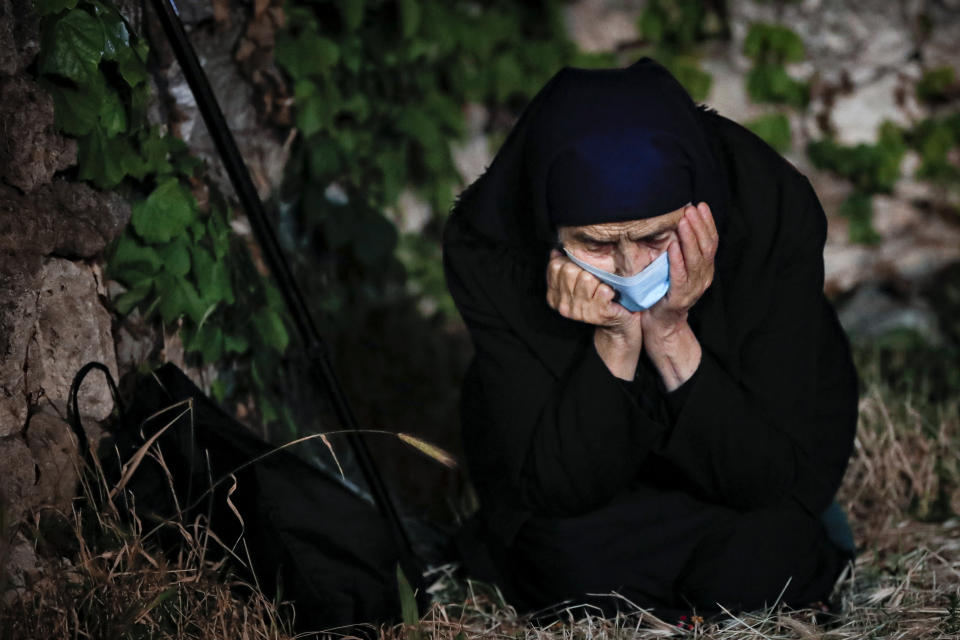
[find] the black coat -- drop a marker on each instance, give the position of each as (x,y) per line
(757,440)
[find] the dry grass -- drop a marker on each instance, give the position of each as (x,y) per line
(105,577)
(114,582)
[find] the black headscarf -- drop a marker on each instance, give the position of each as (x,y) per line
(595,145)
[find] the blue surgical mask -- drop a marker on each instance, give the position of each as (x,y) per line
(640,291)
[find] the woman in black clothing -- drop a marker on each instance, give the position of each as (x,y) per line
(684,455)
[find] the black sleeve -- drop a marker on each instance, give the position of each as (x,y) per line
(542,442)
(758,438)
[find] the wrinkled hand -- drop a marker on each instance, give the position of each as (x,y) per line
(691,272)
(578,295)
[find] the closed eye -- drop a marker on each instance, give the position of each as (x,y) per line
(655,239)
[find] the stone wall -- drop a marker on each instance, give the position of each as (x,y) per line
(863,60)
(52,317)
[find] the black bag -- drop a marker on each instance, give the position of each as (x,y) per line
(309,538)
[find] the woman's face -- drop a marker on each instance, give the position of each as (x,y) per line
(623,248)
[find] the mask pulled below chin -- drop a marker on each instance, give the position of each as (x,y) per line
(640,291)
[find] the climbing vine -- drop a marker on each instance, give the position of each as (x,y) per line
(672,30)
(378,90)
(177,258)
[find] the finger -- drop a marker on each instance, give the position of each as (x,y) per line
(586,287)
(702,232)
(688,243)
(707,215)
(555,253)
(678,270)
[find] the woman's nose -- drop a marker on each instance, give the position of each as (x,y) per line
(631,258)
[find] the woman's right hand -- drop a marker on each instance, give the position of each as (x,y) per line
(578,295)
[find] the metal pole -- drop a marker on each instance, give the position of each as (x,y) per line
(318,353)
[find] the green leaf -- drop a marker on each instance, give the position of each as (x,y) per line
(858,209)
(130,253)
(131,68)
(127,300)
(208,340)
(139,104)
(309,54)
(409,17)
(116,36)
(76,46)
(219,232)
(103,160)
(508,75)
(213,280)
(154,149)
(218,389)
(650,25)
(352,12)
(324,158)
(76,111)
(313,115)
(175,256)
(166,212)
(269,326)
(113,115)
(774,128)
(46,7)
(408,606)
(178,297)
(235,344)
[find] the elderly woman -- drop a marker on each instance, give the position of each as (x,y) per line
(662,402)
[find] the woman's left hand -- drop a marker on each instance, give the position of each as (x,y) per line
(691,272)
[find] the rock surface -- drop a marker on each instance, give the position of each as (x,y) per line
(54,450)
(19,35)
(73,328)
(30,150)
(67,219)
(18,319)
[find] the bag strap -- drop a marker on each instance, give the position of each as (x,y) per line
(73,408)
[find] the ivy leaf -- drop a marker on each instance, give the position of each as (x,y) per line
(213,281)
(104,160)
(358,106)
(351,53)
(127,300)
(178,297)
(47,7)
(116,36)
(142,48)
(309,54)
(154,149)
(219,233)
(76,112)
(324,158)
(113,115)
(269,326)
(131,68)
(352,12)
(130,253)
(314,114)
(165,213)
(76,43)
(175,256)
(235,344)
(208,340)
(409,17)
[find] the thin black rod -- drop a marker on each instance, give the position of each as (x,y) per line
(273,254)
